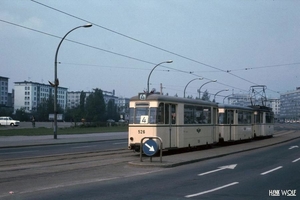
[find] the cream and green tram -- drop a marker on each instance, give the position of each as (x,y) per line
(235,123)
(179,122)
(263,125)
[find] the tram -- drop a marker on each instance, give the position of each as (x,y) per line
(186,123)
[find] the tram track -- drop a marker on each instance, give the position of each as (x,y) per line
(41,165)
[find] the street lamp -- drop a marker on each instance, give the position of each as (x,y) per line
(205,84)
(56,82)
(218,93)
(169,61)
(226,97)
(188,84)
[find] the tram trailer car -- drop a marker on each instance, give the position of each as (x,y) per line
(242,123)
(179,122)
(263,125)
(235,123)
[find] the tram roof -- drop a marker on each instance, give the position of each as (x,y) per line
(229,106)
(159,97)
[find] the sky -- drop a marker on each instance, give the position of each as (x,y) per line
(238,43)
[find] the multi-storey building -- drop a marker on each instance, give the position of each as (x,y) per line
(290,105)
(4,91)
(122,103)
(239,100)
(29,95)
(275,105)
(74,98)
(123,106)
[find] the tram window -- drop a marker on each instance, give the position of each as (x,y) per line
(188,114)
(244,117)
(197,115)
(257,118)
(139,111)
(153,115)
(160,113)
(269,117)
(131,115)
(226,117)
(173,113)
(230,116)
(222,118)
(167,114)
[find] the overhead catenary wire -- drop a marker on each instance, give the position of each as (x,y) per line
(148,44)
(111,52)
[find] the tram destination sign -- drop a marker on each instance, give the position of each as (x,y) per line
(150,147)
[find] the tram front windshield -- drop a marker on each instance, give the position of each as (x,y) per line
(146,115)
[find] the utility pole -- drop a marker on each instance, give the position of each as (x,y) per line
(161,89)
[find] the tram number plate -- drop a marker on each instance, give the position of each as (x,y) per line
(141,131)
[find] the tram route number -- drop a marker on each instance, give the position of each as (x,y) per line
(144,119)
(141,131)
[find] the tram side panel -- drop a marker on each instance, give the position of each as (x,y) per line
(197,122)
(197,135)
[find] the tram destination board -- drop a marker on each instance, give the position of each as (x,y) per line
(150,147)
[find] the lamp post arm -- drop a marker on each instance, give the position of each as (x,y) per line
(218,93)
(169,61)
(205,84)
(188,84)
(63,40)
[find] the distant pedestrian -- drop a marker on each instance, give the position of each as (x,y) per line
(33,121)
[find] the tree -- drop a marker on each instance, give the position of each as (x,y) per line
(21,115)
(46,107)
(112,110)
(206,96)
(95,106)
(82,104)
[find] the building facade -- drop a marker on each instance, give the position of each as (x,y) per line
(275,105)
(74,98)
(290,106)
(4,100)
(239,100)
(28,95)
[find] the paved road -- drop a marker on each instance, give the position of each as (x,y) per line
(256,174)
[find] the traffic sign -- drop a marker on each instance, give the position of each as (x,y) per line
(150,147)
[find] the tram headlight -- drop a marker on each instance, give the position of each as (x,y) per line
(131,139)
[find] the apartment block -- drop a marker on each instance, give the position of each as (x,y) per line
(290,105)
(29,95)
(4,91)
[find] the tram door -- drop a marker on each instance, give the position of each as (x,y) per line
(171,119)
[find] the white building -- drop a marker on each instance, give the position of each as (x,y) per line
(275,105)
(3,91)
(29,95)
(239,100)
(74,98)
(290,105)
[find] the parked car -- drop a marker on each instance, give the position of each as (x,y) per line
(8,121)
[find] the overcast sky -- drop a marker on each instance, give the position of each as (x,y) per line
(239,43)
